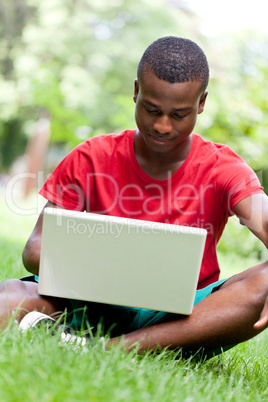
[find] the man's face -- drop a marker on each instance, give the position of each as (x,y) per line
(166,113)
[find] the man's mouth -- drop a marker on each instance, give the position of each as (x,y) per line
(159,139)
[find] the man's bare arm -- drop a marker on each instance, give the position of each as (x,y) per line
(31,252)
(253,213)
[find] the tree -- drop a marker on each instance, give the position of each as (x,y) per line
(76,62)
(237,103)
(14,16)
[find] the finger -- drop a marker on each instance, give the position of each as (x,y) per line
(261,323)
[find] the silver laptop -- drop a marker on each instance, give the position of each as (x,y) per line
(120,261)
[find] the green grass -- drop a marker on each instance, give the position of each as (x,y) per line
(15,228)
(34,367)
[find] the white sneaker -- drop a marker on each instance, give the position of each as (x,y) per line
(68,336)
(31,319)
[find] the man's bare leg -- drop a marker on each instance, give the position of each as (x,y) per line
(19,297)
(224,318)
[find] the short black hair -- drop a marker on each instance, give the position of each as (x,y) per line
(175,59)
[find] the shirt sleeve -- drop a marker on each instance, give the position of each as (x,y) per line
(237,179)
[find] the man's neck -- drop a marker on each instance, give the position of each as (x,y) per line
(158,165)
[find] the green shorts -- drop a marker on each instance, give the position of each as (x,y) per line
(118,320)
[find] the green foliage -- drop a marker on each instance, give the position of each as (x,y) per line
(76,62)
(12,142)
(237,103)
(239,249)
(14,16)
(247,244)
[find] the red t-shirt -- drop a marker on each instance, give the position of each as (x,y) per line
(102,175)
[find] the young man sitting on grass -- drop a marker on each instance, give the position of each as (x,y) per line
(165,173)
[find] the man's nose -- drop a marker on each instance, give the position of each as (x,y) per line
(163,125)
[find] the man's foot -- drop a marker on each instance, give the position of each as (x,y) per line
(34,319)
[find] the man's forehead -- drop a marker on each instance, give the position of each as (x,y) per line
(152,85)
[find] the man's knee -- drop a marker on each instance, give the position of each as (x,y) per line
(15,297)
(17,289)
(12,295)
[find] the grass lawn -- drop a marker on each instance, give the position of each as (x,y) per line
(34,367)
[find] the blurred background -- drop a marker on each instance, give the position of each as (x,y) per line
(67,69)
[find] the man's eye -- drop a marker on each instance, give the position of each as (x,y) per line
(178,116)
(151,111)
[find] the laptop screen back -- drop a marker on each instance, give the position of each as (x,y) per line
(120,261)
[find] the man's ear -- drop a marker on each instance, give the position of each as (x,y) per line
(202,102)
(136,90)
